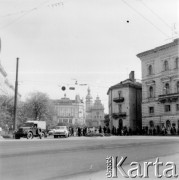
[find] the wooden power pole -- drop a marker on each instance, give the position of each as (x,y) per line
(16,93)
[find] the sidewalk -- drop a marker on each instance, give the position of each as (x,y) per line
(102,174)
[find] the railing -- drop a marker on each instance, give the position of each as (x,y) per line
(118,115)
(118,99)
(173,97)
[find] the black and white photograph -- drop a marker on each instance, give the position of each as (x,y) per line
(89,89)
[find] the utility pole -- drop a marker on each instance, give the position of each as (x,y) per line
(15,96)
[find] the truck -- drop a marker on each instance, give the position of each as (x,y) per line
(30,129)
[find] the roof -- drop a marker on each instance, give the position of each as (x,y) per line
(126,83)
(66,101)
(174,43)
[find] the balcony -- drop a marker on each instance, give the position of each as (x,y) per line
(119,115)
(118,99)
(168,98)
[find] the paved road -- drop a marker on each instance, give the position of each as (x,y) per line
(56,159)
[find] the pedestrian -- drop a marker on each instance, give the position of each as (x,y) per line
(72,131)
(104,129)
(100,130)
(79,131)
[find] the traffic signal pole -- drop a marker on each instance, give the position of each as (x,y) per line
(15,95)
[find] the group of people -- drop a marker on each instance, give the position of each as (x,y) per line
(162,131)
(78,131)
(145,131)
(83,131)
(124,131)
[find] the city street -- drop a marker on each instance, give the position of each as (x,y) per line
(77,157)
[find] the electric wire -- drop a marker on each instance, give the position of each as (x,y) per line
(26,12)
(150,22)
(159,17)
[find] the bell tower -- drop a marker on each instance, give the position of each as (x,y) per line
(89,101)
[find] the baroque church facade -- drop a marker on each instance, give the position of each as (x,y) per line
(94,111)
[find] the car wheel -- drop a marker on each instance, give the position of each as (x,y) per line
(17,137)
(42,135)
(29,135)
(55,136)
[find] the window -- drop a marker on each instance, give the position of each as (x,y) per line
(120,108)
(177,87)
(151,110)
(151,123)
(166,67)
(151,92)
(167,108)
(177,107)
(150,69)
(167,88)
(176,63)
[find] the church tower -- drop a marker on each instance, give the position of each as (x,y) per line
(89,101)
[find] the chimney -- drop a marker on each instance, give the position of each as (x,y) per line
(131,76)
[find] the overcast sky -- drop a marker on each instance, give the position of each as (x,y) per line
(93,41)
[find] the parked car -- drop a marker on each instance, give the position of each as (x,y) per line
(61,131)
(51,132)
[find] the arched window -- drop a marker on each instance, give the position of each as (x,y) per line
(151,92)
(167,88)
(150,69)
(166,65)
(176,63)
(178,87)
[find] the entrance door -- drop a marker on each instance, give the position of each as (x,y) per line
(120,123)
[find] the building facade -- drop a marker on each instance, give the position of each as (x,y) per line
(69,112)
(125,104)
(6,88)
(160,87)
(94,111)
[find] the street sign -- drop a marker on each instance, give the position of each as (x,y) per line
(63,88)
(71,88)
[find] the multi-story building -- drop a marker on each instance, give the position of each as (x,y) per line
(6,88)
(69,112)
(125,104)
(160,86)
(94,111)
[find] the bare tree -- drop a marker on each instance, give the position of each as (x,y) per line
(6,111)
(39,107)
